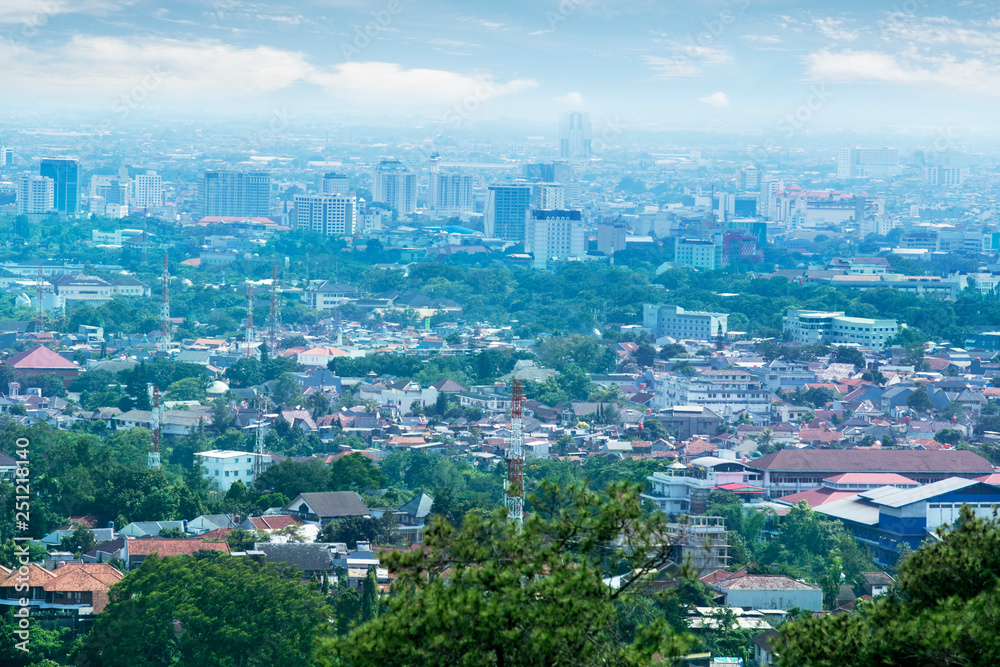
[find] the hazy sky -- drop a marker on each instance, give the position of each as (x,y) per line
(733,64)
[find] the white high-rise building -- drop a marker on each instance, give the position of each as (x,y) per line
(330,215)
(396,185)
(550,196)
(506,211)
(450,192)
(555,235)
(6,156)
(868,163)
(334,184)
(574,135)
(147,190)
(35,194)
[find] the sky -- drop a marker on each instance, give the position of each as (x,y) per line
(777,67)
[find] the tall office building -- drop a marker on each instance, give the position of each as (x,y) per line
(868,163)
(547,172)
(147,190)
(234,193)
(548,196)
(554,235)
(6,156)
(396,185)
(749,179)
(330,215)
(574,135)
(65,175)
(506,210)
(450,192)
(35,194)
(334,184)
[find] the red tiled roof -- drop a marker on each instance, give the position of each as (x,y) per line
(992,478)
(873,460)
(38,358)
(273,522)
(817,497)
(883,478)
(172,547)
(37,576)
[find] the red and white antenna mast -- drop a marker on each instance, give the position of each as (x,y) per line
(514,488)
(251,336)
(272,324)
(165,309)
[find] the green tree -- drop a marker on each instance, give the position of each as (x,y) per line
(81,540)
(499,596)
(287,390)
(369,597)
(944,612)
(244,540)
(206,611)
(949,436)
(919,401)
(351,529)
(849,355)
(290,478)
(355,472)
(188,389)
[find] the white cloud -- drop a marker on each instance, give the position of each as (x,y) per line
(214,72)
(835,29)
(573,100)
(974,74)
(688,60)
(718,100)
(36,13)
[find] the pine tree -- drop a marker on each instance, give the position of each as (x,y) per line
(369,597)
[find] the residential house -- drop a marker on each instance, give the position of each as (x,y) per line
(764,651)
(324,507)
(769,591)
(309,559)
(412,517)
(136,551)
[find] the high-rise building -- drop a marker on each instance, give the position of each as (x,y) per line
(6,156)
(548,196)
(35,194)
(396,185)
(65,175)
(547,172)
(611,237)
(334,184)
(147,190)
(330,215)
(554,235)
(704,254)
(750,179)
(574,135)
(506,210)
(450,192)
(234,193)
(868,163)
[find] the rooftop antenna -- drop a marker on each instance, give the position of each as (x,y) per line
(514,487)
(165,309)
(154,426)
(272,324)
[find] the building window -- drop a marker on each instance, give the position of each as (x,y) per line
(227,473)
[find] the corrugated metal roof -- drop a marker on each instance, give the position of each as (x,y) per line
(902,497)
(851,509)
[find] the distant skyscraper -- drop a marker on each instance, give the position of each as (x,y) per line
(394,184)
(749,179)
(234,193)
(547,172)
(868,163)
(554,235)
(148,190)
(330,215)
(574,135)
(450,192)
(506,210)
(65,175)
(334,184)
(35,194)
(6,156)
(548,195)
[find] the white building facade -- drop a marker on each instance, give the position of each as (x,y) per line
(329,215)
(678,323)
(555,234)
(35,194)
(224,468)
(813,326)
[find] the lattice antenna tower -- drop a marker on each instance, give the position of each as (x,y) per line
(165,309)
(514,487)
(251,334)
(258,447)
(272,324)
(154,427)
(41,312)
